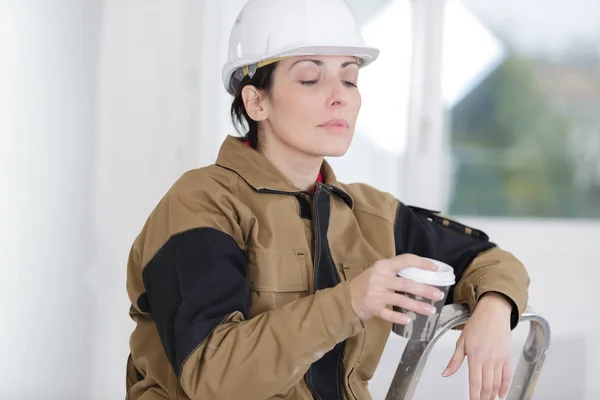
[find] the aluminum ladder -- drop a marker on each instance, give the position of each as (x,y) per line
(528,369)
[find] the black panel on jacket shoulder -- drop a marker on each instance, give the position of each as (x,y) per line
(428,234)
(435,216)
(193,283)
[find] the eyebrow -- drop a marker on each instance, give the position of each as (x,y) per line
(320,63)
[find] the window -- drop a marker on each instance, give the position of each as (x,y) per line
(521,87)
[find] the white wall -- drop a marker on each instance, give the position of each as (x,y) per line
(139,149)
(79,176)
(48,79)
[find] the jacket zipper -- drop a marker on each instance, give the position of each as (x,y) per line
(307,379)
(336,278)
(319,186)
(337,282)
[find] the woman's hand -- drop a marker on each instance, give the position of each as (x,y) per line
(486,340)
(375,289)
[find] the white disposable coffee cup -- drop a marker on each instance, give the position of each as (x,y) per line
(422,327)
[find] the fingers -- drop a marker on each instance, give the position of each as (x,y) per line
(399,300)
(475,380)
(418,289)
(457,359)
(487,375)
(497,381)
(485,381)
(393,316)
(506,377)
(410,260)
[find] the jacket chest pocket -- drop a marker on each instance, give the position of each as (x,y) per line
(352,269)
(276,277)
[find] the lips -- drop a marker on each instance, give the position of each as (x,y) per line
(335,124)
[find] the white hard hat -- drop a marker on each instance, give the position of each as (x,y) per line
(268,30)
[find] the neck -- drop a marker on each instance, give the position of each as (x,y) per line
(300,168)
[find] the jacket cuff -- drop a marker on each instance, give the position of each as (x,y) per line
(515,315)
(338,315)
(514,298)
(495,271)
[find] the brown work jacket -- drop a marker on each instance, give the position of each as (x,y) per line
(239,282)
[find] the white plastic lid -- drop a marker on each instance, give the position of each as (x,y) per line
(442,277)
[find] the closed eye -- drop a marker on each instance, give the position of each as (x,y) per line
(313,82)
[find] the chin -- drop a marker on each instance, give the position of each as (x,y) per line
(333,148)
(334,152)
(337,144)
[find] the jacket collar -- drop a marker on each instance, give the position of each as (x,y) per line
(261,175)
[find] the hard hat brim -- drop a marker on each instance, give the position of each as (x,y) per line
(365,53)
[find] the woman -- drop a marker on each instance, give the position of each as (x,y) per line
(263,277)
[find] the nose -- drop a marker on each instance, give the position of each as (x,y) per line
(337,93)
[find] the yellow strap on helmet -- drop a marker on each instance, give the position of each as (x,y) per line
(247,68)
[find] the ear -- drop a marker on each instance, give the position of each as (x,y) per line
(255,103)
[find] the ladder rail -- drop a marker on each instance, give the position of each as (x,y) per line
(523,383)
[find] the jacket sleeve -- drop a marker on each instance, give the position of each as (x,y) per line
(198,296)
(479,265)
